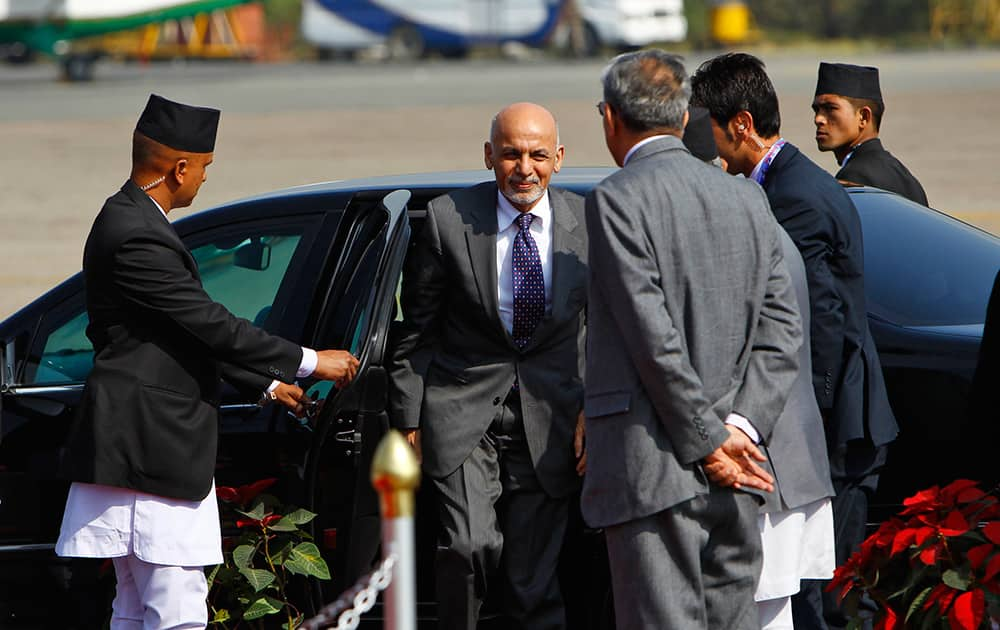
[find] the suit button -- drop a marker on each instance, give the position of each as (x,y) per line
(496,401)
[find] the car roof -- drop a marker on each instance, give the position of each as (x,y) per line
(570,177)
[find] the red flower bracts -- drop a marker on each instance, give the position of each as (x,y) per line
(936,565)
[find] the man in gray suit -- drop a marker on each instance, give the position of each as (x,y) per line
(693,332)
(486,373)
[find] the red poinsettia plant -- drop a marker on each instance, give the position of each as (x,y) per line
(268,547)
(936,565)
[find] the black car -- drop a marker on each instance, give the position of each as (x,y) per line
(320,265)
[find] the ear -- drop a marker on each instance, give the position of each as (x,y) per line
(488,155)
(865,116)
(741,124)
(687,117)
(180,170)
(557,162)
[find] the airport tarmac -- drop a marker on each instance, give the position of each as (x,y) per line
(65,147)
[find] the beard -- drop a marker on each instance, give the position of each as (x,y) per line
(523,197)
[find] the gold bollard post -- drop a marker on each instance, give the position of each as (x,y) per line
(396,476)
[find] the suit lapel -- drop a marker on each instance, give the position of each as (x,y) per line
(160,222)
(481,239)
(566,245)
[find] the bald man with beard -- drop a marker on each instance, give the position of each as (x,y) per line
(486,372)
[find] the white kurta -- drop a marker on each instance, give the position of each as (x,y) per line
(109,522)
(797,545)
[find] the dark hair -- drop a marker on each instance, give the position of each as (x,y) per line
(648,89)
(734,82)
(877,108)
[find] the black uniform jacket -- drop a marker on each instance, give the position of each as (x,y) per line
(847,376)
(872,165)
(148,418)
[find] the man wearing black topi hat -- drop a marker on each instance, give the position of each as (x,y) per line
(848,113)
(142,449)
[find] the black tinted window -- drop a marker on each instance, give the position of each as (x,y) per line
(923,268)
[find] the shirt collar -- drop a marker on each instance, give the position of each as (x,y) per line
(155,203)
(640,143)
(507,213)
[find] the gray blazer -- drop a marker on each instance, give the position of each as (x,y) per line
(453,361)
(691,317)
(797,448)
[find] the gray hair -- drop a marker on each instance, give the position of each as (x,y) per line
(649,89)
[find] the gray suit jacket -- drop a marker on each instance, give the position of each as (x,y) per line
(453,362)
(797,448)
(691,317)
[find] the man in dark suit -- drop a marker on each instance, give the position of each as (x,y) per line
(486,374)
(848,111)
(691,347)
(141,453)
(819,216)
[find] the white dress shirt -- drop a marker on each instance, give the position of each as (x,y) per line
(541,232)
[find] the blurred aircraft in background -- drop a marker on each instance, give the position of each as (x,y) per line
(70,30)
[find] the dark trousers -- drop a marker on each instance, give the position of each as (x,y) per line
(496,519)
(854,469)
(694,565)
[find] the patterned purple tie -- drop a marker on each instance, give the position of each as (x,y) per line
(529,285)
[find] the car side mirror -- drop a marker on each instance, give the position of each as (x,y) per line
(255,256)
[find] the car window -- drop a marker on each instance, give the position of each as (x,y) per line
(242,269)
(923,268)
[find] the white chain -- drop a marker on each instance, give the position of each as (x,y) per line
(347,610)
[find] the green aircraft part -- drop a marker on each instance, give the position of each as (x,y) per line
(45,35)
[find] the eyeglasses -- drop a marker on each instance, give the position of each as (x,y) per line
(601,106)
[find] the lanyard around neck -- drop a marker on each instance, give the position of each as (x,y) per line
(766,162)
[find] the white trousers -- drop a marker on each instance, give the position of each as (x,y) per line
(775,614)
(158,597)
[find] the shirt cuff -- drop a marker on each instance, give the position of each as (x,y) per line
(273,386)
(744,425)
(309,362)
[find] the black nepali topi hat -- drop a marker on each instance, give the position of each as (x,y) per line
(698,136)
(178,126)
(845,79)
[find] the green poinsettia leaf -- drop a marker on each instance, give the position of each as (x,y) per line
(221,616)
(259,579)
(243,556)
(283,525)
(210,576)
(295,622)
(300,516)
(257,513)
(305,559)
(918,602)
(956,580)
(261,608)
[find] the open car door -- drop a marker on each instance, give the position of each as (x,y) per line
(354,307)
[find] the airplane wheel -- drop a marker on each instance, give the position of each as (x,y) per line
(78,67)
(18,53)
(405,43)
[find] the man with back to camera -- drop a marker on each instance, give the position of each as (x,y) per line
(821,219)
(848,111)
(692,333)
(142,449)
(486,372)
